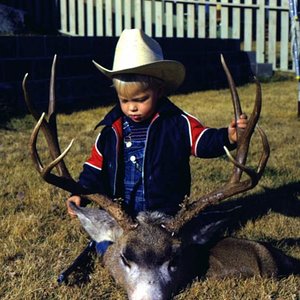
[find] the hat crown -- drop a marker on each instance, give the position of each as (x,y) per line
(135,49)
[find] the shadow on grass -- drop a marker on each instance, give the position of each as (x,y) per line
(79,271)
(283,200)
(81,275)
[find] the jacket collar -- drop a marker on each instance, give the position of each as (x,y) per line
(114,114)
(165,107)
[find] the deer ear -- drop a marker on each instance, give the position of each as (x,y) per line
(208,232)
(210,225)
(97,223)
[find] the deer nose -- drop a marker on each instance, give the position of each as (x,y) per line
(151,282)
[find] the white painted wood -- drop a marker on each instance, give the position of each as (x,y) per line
(260,32)
(138,14)
(179,20)
(169,20)
(236,20)
(284,38)
(191,20)
(248,27)
(212,20)
(158,18)
(72,17)
(127,13)
(118,17)
(148,13)
(108,18)
(81,25)
(224,20)
(272,28)
(201,21)
(63,16)
(99,18)
(90,17)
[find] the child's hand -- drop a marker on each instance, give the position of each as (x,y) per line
(76,200)
(242,123)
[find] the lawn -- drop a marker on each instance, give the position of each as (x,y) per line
(38,239)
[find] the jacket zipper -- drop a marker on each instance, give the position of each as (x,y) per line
(146,145)
(116,159)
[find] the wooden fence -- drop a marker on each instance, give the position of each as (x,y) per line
(261,25)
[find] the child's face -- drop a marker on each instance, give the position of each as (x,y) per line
(137,103)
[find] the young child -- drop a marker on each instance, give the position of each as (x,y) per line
(142,154)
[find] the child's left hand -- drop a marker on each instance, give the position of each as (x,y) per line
(242,123)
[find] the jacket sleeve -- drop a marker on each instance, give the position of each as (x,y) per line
(91,177)
(207,142)
(212,142)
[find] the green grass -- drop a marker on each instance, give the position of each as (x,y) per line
(38,239)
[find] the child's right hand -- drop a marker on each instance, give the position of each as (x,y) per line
(76,200)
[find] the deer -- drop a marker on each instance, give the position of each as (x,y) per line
(152,255)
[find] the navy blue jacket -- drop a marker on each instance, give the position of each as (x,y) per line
(172,137)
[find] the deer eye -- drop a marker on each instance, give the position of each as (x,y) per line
(173,264)
(125,261)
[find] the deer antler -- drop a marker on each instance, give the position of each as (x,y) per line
(234,185)
(64,180)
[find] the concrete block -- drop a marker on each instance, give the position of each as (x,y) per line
(59,45)
(31,46)
(8,46)
(264,70)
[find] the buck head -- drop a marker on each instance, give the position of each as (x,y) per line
(142,260)
(148,261)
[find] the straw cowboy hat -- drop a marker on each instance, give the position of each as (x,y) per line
(137,53)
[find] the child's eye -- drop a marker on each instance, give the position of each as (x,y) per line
(124,101)
(142,100)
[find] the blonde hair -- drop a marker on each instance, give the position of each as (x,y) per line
(122,81)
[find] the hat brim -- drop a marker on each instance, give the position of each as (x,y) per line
(170,71)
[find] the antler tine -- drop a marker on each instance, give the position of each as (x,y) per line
(52,112)
(64,180)
(234,185)
(52,103)
(233,90)
(250,172)
(66,183)
(27,100)
(49,128)
(33,150)
(265,154)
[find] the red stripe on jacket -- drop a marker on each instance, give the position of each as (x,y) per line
(196,130)
(96,158)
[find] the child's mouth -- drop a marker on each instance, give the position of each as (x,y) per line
(136,118)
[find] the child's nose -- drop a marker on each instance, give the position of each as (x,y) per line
(133,107)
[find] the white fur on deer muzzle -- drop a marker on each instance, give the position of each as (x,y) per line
(148,284)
